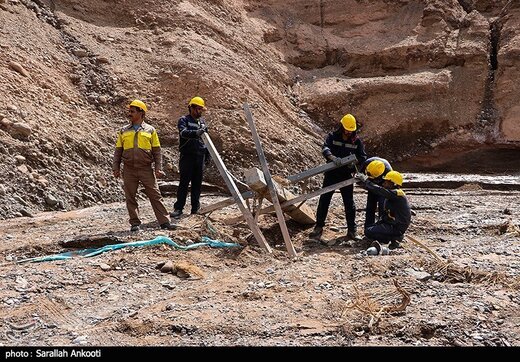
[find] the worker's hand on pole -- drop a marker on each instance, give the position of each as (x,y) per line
(336,160)
(360,176)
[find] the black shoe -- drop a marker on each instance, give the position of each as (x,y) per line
(316,233)
(135,228)
(194,212)
(176,214)
(351,235)
(168,226)
(394,244)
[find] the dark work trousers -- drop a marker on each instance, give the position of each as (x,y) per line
(383,232)
(190,167)
(347,194)
(146,176)
(374,201)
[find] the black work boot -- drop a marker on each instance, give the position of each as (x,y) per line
(316,233)
(394,244)
(352,235)
(176,214)
(168,226)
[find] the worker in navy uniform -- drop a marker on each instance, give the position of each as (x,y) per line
(339,144)
(193,156)
(375,168)
(397,214)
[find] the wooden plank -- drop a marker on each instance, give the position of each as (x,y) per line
(348,160)
(302,198)
(235,193)
(274,197)
(256,181)
(222,204)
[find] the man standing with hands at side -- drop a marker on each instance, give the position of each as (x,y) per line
(193,156)
(138,147)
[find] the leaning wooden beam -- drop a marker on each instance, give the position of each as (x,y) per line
(236,194)
(254,178)
(301,198)
(226,202)
(274,197)
(348,160)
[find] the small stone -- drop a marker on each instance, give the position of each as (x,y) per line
(103,60)
(19,68)
(19,159)
(80,340)
(51,200)
(80,53)
(23,169)
(104,267)
(20,129)
(6,122)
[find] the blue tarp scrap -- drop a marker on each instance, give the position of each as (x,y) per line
(205,241)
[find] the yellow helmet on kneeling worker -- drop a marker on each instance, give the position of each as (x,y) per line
(375,169)
(395,177)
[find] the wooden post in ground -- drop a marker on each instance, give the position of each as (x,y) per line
(269,182)
(236,194)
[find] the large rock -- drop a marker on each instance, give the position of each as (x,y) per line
(507,93)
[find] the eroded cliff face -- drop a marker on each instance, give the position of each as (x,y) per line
(507,75)
(423,77)
(419,75)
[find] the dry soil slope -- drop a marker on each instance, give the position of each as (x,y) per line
(418,69)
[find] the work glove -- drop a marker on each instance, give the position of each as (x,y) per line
(201,130)
(336,160)
(361,176)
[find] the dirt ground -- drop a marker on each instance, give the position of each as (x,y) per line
(329,296)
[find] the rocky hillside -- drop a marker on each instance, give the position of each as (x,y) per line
(429,80)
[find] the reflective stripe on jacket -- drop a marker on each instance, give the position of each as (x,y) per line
(189,142)
(337,146)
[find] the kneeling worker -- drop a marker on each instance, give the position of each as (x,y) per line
(375,168)
(397,213)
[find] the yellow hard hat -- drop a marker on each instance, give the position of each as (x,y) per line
(395,177)
(197,101)
(139,104)
(349,122)
(375,169)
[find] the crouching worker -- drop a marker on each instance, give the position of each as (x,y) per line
(138,147)
(397,214)
(375,168)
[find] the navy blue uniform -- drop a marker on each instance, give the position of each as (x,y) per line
(193,152)
(396,217)
(335,145)
(375,201)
